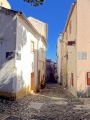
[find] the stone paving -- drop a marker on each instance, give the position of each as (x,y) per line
(52,103)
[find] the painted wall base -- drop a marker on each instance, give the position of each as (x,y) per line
(15,96)
(18,95)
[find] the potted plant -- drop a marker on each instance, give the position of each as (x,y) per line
(38,89)
(42,84)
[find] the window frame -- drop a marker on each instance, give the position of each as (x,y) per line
(32,46)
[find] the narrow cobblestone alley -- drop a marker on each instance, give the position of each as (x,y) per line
(52,103)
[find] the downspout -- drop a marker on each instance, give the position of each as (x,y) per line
(76,50)
(37,58)
(37,62)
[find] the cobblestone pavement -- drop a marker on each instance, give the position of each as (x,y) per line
(52,103)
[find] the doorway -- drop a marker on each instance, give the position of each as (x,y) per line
(39,77)
(32,81)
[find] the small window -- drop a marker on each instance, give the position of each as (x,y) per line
(18,56)
(32,46)
(10,55)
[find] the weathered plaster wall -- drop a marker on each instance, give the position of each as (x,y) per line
(64,51)
(71,62)
(83,45)
(8,44)
(41,27)
(23,46)
(41,58)
(59,59)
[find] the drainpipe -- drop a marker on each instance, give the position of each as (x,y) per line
(37,61)
(37,56)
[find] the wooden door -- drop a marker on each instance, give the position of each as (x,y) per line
(39,77)
(32,81)
(43,78)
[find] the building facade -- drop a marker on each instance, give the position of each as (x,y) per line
(19,41)
(42,28)
(58,57)
(77,50)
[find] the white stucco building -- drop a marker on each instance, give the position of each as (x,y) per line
(58,58)
(19,44)
(42,28)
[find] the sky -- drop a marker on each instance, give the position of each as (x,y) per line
(52,12)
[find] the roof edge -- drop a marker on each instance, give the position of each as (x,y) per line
(20,14)
(69,15)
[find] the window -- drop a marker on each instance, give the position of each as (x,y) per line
(32,46)
(10,55)
(18,56)
(70,27)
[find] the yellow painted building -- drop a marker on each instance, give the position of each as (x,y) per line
(77,65)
